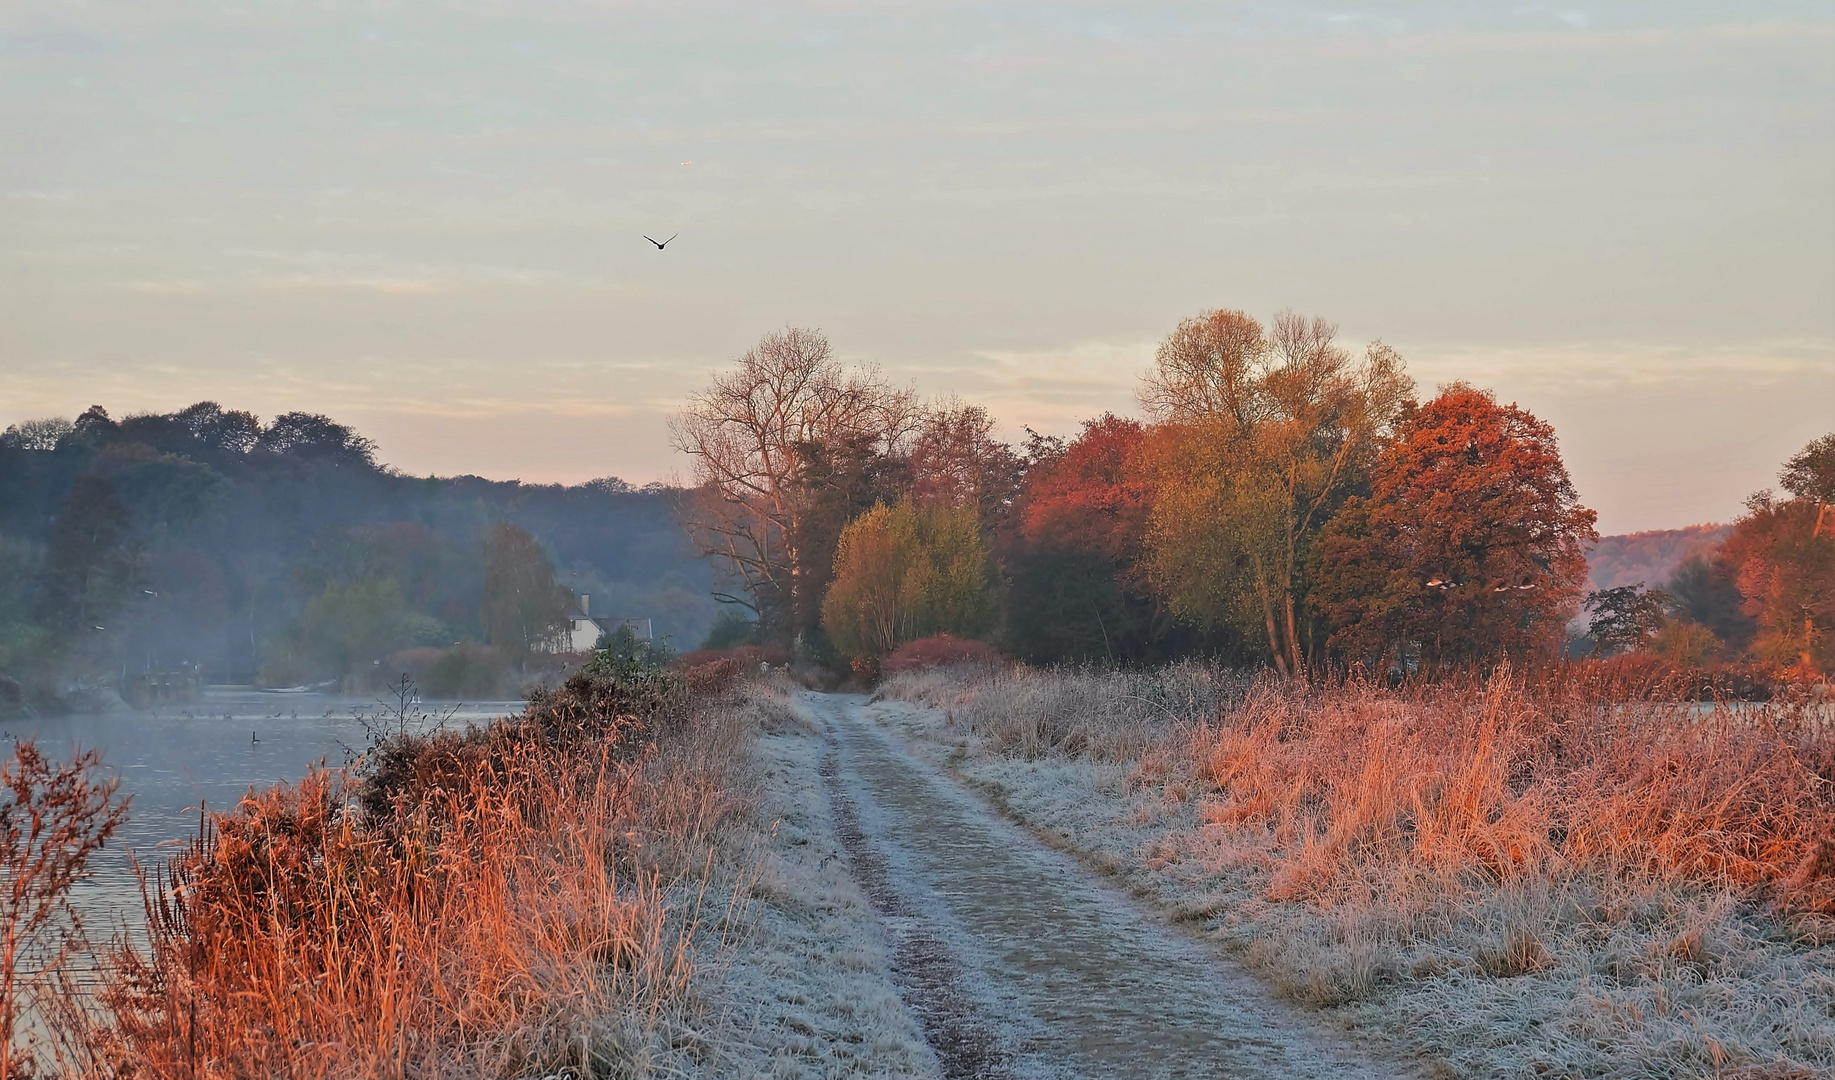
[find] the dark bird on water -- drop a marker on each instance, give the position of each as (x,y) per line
(251,738)
(660,245)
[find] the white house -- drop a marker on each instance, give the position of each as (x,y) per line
(583,629)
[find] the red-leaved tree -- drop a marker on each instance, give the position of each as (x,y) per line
(1082,517)
(1470,547)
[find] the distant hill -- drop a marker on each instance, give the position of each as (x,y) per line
(1651,557)
(220,542)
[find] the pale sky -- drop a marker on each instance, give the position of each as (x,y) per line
(424,219)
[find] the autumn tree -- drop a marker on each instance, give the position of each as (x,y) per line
(1810,475)
(523,608)
(1470,546)
(231,431)
(311,437)
(1261,436)
(1706,589)
(1781,555)
(1076,587)
(754,437)
(93,566)
(904,572)
(349,629)
(834,484)
(1627,618)
(41,434)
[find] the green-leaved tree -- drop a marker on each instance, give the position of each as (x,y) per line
(904,572)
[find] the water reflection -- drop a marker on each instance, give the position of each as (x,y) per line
(175,758)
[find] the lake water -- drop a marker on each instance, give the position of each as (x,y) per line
(175,758)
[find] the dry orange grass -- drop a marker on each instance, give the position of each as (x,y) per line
(1502,778)
(1509,780)
(519,901)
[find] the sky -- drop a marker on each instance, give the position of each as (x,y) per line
(426,219)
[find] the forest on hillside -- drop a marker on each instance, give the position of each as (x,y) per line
(1651,556)
(205,541)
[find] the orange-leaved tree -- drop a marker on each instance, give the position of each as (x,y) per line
(1471,545)
(1261,436)
(1782,555)
(904,572)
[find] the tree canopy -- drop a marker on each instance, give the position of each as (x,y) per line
(1470,546)
(904,572)
(1261,436)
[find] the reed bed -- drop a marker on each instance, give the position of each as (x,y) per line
(527,899)
(1557,874)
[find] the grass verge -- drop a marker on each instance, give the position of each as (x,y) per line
(1512,878)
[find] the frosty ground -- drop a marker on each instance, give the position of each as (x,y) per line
(899,927)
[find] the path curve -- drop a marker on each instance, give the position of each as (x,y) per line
(1020,963)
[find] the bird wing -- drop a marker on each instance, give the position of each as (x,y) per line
(672,237)
(646,236)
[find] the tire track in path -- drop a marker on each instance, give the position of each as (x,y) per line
(1019,963)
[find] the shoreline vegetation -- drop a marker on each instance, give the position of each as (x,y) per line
(1511,876)
(530,897)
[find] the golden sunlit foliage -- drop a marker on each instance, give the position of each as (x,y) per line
(514,900)
(904,572)
(1262,435)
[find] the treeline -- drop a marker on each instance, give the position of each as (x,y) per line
(206,541)
(1286,500)
(1763,596)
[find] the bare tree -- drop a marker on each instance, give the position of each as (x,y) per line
(1207,368)
(957,462)
(750,436)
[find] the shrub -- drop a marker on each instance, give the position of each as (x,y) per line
(469,670)
(52,819)
(938,650)
(495,902)
(730,631)
(712,677)
(746,656)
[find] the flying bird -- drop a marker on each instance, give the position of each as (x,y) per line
(660,244)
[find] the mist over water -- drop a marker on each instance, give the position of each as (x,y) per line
(176,758)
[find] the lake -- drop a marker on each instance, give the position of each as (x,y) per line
(172,759)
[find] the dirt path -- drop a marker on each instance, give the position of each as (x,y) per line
(1020,963)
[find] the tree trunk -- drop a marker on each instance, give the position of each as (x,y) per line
(1274,636)
(1293,640)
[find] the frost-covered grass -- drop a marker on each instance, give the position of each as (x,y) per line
(1512,880)
(806,992)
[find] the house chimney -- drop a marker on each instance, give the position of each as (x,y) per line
(586,604)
